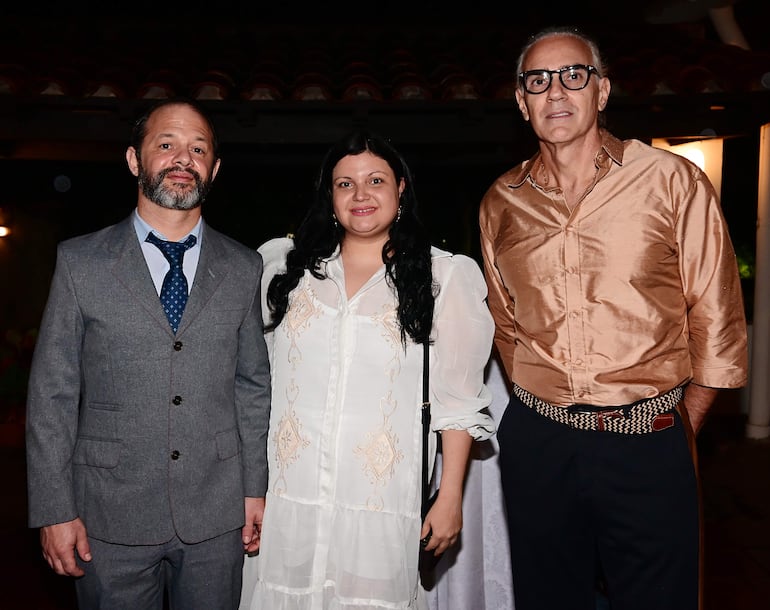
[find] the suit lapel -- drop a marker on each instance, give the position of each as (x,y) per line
(212,270)
(130,270)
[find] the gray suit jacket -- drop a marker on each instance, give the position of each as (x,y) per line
(140,433)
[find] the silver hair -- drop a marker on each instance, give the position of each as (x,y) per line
(596,56)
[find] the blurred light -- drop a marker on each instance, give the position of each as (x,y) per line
(62,184)
(696,156)
(706,154)
(4,231)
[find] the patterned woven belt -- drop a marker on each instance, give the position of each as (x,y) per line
(636,418)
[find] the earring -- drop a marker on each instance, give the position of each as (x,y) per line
(334,220)
(398,214)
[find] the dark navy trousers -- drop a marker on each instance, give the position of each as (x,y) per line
(587,506)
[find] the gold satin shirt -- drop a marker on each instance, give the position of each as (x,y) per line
(633,293)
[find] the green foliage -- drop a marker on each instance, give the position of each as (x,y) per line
(746,262)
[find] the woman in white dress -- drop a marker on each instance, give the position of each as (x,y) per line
(348,303)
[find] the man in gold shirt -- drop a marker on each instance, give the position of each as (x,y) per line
(618,310)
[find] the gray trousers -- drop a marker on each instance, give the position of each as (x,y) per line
(202,576)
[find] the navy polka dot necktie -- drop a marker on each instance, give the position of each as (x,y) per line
(173,294)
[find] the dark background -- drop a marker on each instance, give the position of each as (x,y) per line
(62,173)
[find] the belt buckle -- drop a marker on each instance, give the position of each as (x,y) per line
(599,414)
(582,409)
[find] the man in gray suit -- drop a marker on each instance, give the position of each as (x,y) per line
(146,443)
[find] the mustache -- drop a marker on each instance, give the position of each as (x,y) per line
(165,172)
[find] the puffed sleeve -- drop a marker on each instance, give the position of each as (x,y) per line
(463,334)
(273,254)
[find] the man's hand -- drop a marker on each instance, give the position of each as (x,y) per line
(60,542)
(252,531)
(698,400)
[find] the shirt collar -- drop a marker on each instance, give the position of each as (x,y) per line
(612,149)
(143,229)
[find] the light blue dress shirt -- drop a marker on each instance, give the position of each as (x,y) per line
(157,263)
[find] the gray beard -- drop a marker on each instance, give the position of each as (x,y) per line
(160,194)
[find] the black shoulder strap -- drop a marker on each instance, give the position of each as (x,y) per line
(425,423)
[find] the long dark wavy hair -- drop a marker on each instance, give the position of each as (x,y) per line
(406,254)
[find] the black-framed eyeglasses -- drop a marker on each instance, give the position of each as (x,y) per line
(573,78)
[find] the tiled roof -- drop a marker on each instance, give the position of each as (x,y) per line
(77,82)
(244,62)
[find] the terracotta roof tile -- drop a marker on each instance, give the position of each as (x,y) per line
(448,62)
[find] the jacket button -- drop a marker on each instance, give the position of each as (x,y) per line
(175,455)
(177,346)
(177,400)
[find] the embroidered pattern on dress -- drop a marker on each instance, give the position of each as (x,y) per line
(288,440)
(301,309)
(391,333)
(381,452)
